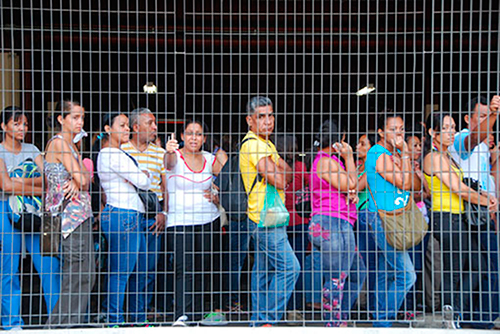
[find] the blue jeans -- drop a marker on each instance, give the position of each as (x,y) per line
(153,244)
(127,256)
(368,252)
(274,275)
(333,239)
(297,236)
(239,242)
(48,267)
(395,276)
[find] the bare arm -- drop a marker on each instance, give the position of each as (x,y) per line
(401,177)
(436,164)
(61,151)
(16,186)
(330,171)
(279,175)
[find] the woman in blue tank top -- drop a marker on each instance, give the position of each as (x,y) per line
(390,180)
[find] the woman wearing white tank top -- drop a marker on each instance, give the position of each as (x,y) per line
(193,217)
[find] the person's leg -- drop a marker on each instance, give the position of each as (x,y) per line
(184,268)
(433,270)
(396,276)
(368,252)
(137,283)
(353,284)
(334,238)
(275,273)
(239,240)
(153,249)
(448,230)
(298,238)
(487,309)
(48,268)
(121,230)
(201,256)
(78,278)
(10,248)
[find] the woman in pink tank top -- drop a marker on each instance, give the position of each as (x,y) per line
(333,200)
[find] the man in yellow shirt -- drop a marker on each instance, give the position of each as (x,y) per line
(276,268)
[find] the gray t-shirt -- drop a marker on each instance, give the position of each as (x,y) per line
(11,160)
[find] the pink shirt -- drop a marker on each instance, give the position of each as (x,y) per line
(327,200)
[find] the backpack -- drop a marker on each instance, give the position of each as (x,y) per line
(26,211)
(232,194)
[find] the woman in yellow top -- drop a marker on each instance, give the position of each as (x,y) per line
(448,192)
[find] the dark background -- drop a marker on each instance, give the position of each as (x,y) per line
(208,57)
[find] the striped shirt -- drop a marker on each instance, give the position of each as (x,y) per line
(151,160)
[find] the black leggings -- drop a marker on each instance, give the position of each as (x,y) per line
(192,246)
(451,231)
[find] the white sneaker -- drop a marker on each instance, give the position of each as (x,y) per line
(181,321)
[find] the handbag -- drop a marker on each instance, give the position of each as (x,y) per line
(274,213)
(150,201)
(404,228)
(50,236)
(477,215)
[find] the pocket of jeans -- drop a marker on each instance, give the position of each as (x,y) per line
(129,222)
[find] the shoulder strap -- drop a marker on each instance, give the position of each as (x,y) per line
(258,175)
(370,190)
(131,157)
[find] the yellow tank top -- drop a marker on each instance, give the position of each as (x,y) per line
(443,199)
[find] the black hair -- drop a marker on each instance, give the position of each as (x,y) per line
(108,119)
(469,106)
(416,131)
(63,109)
(287,147)
(372,138)
(328,134)
(385,115)
(196,121)
(433,122)
(12,113)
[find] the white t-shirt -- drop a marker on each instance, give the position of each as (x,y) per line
(117,173)
(186,189)
(475,164)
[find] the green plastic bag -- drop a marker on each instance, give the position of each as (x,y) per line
(274,213)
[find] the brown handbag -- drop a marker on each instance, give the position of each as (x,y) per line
(50,235)
(404,228)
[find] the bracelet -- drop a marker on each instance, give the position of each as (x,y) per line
(165,213)
(405,157)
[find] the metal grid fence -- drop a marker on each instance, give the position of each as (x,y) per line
(205,60)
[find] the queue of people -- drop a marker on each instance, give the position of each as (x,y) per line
(450,178)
